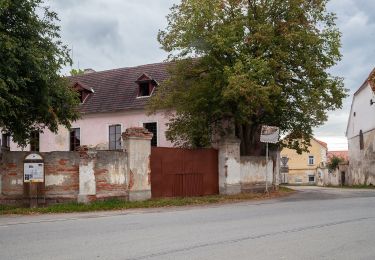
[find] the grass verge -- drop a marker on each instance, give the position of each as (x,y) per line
(116,204)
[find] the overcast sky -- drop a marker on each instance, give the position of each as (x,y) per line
(107,34)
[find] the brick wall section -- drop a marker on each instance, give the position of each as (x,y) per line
(110,174)
(85,175)
(12,174)
(61,175)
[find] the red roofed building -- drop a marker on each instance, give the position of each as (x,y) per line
(111,102)
(340,154)
(305,168)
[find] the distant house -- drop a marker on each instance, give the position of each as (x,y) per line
(111,101)
(339,154)
(361,134)
(304,168)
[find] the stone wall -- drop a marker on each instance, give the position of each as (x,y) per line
(247,173)
(253,173)
(84,175)
(337,177)
(362,162)
(111,174)
(61,175)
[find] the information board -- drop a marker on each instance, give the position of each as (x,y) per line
(33,172)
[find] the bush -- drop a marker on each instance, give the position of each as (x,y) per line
(334,162)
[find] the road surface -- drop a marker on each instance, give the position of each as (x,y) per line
(314,223)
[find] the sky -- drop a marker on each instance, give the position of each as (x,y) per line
(108,34)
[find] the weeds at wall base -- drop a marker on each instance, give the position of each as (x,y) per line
(117,204)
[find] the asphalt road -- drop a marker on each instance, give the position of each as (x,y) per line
(312,224)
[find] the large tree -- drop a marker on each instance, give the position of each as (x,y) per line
(253,61)
(33,96)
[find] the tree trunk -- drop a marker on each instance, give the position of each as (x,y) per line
(249,134)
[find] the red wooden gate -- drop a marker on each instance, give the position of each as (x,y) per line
(179,172)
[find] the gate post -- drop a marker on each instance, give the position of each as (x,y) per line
(229,166)
(87,182)
(137,144)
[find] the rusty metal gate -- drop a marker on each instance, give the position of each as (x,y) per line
(179,172)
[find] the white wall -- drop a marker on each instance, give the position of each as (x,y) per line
(94,129)
(253,170)
(365,113)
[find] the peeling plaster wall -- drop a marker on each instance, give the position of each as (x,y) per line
(362,162)
(87,184)
(61,175)
(139,164)
(253,172)
(229,166)
(110,174)
(12,174)
(55,180)
(98,174)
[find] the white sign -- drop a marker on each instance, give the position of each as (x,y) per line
(33,172)
(269,134)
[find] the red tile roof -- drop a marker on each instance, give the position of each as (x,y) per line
(369,80)
(321,142)
(341,154)
(116,89)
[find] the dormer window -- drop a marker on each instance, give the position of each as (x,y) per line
(83,91)
(146,85)
(81,96)
(144,89)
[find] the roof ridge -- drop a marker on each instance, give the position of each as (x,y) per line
(367,81)
(120,69)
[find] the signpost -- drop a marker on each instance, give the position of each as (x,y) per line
(33,177)
(269,134)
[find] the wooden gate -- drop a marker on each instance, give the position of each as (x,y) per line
(179,172)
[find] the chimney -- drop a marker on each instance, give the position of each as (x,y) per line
(87,71)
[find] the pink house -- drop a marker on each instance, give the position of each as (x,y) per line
(112,101)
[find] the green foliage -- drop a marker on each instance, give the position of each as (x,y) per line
(257,62)
(334,162)
(33,95)
(76,72)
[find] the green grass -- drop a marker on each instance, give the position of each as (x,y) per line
(285,189)
(116,204)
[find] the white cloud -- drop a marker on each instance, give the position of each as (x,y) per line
(112,34)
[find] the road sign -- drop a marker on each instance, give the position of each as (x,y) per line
(269,134)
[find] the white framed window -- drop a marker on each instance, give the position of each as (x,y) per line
(115,137)
(311,178)
(311,160)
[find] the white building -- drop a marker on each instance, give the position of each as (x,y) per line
(361,134)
